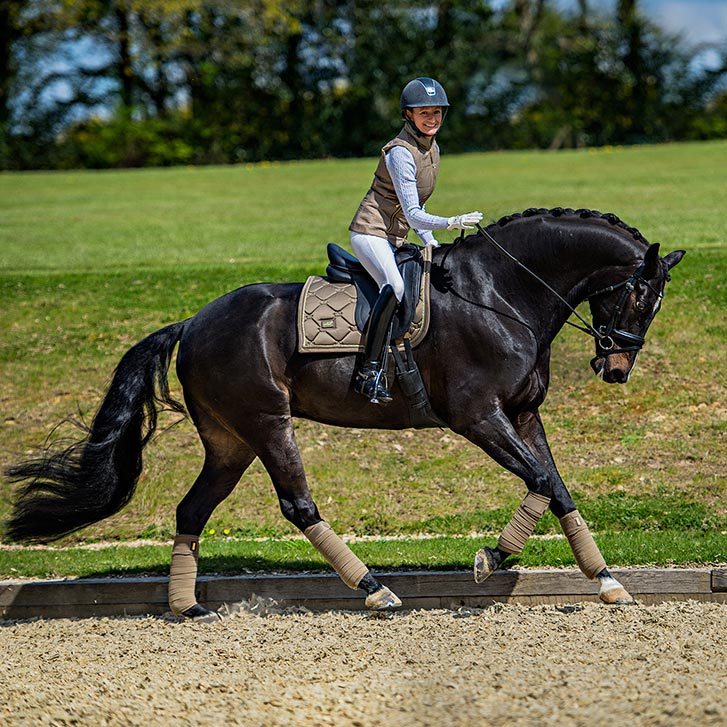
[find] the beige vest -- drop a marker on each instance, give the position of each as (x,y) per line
(380,212)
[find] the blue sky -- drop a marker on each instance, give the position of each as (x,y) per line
(702,21)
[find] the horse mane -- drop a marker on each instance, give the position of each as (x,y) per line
(568,212)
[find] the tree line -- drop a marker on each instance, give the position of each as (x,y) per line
(111,83)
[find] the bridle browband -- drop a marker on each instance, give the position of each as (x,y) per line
(610,338)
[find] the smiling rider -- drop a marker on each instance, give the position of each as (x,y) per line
(403,181)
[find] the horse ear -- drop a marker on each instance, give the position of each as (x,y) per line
(651,261)
(674,257)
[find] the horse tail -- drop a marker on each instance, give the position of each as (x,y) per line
(95,477)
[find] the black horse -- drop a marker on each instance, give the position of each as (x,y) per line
(485,363)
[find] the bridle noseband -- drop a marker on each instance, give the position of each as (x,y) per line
(610,338)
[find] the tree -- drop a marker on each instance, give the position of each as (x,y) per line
(137,82)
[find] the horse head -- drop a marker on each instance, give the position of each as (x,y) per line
(623,311)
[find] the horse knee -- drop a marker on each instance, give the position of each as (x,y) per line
(302,512)
(542,486)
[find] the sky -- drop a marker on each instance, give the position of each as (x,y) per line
(700,21)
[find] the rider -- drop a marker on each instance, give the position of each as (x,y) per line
(403,181)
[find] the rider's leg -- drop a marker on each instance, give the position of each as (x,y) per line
(371,378)
(377,256)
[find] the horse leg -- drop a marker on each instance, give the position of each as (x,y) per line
(278,451)
(496,435)
(226,458)
(588,556)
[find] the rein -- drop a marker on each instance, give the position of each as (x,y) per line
(606,337)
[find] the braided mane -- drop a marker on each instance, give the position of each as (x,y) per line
(568,212)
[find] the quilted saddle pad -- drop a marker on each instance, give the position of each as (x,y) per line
(327,315)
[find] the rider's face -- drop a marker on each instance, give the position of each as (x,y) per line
(428,119)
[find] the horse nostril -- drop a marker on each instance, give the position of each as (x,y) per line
(619,376)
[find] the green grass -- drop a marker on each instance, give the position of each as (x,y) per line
(208,217)
(90,262)
(239,556)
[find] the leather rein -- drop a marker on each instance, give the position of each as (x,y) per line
(609,338)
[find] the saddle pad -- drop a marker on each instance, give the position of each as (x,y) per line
(327,315)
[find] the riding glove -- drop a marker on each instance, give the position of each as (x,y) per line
(464,222)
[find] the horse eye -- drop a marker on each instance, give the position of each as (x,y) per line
(640,305)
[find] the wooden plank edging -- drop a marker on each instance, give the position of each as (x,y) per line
(719,580)
(86,597)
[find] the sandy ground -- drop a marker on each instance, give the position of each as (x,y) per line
(506,665)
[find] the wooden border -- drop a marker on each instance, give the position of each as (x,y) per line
(86,597)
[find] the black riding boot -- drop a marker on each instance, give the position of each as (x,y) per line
(371,378)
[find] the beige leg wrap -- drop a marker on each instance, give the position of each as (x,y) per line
(587,554)
(337,553)
(520,528)
(183,573)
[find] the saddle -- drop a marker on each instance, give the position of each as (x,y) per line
(333,310)
(345,268)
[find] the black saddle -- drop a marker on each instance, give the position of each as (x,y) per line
(345,268)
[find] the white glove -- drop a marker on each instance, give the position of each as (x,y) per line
(433,243)
(464,222)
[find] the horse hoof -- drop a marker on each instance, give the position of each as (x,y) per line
(616,596)
(485,565)
(201,614)
(383,600)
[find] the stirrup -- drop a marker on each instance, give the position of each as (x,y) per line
(373,385)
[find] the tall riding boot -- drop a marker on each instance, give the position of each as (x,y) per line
(371,378)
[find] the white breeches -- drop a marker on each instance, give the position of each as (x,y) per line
(377,256)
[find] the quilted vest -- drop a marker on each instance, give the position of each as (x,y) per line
(380,212)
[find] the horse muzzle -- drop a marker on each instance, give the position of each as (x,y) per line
(614,368)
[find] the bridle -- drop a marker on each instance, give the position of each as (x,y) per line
(609,338)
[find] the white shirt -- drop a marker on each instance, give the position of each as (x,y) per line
(402,169)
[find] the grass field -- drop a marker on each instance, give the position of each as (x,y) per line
(90,262)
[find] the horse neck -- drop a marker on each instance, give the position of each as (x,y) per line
(572,255)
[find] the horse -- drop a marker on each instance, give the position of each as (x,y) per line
(496,306)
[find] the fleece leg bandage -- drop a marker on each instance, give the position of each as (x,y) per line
(337,553)
(587,554)
(183,573)
(520,528)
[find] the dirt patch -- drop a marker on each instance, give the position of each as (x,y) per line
(646,665)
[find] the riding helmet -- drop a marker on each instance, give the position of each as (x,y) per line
(423,92)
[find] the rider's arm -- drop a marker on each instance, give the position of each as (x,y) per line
(426,236)
(401,167)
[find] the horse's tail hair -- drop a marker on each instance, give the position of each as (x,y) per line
(95,477)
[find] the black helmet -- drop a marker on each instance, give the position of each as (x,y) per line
(423,92)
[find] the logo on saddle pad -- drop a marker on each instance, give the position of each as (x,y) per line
(327,316)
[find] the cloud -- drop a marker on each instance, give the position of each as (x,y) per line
(699,21)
